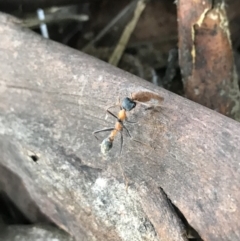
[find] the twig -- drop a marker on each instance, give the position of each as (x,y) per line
(128,9)
(117,53)
(34,22)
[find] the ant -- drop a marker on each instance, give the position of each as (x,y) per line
(127,104)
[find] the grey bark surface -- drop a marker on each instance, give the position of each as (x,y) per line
(51,100)
(33,233)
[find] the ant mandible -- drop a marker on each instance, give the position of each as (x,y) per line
(127,104)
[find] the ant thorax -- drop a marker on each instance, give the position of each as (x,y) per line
(128,104)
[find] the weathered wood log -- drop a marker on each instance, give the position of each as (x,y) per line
(53,97)
(206,56)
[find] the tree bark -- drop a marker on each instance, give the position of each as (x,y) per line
(206,56)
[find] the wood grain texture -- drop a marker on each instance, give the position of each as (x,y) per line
(53,97)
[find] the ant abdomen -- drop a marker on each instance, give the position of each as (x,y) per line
(145,96)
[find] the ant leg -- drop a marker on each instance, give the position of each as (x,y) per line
(102,130)
(111,106)
(148,107)
(142,103)
(145,144)
(124,176)
(126,130)
(131,96)
(123,173)
(155,107)
(121,143)
(109,112)
(135,139)
(131,122)
(117,104)
(120,121)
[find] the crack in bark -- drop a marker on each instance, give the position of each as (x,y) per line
(192,234)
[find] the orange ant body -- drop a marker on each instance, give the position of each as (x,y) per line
(127,105)
(118,126)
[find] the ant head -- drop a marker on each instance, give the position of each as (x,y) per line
(128,104)
(106,146)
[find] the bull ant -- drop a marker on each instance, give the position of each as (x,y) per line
(127,104)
